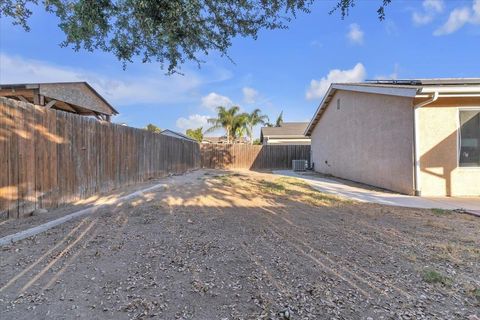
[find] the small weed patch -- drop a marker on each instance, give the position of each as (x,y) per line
(441,212)
(432,276)
(298,190)
(224,179)
(476,293)
(272,187)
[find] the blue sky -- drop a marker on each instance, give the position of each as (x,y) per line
(285,70)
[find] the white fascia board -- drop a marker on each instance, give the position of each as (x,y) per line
(400,92)
(452,89)
(451,95)
(329,93)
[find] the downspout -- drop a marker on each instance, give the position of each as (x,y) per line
(416,139)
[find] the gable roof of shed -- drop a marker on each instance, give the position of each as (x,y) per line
(45,88)
(286,130)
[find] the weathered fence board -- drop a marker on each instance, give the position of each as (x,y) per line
(50,157)
(254,157)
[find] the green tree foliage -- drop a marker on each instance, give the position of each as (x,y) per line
(196,134)
(153,128)
(167,31)
(257,142)
(279,121)
(241,127)
(255,118)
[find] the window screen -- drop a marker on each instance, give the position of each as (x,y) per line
(469,138)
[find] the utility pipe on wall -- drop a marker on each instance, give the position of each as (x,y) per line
(416,139)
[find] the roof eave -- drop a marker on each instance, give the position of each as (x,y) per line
(330,92)
(390,91)
(450,89)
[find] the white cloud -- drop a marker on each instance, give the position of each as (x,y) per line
(355,34)
(430,8)
(193,121)
(420,19)
(433,5)
(250,95)
(214,100)
(459,17)
(123,89)
(318,87)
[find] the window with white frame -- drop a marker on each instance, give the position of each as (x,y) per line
(469,153)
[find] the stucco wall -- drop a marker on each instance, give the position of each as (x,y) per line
(440,173)
(369,140)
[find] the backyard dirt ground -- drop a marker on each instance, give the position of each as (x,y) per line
(245,245)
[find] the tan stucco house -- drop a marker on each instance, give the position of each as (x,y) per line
(411,136)
(288,133)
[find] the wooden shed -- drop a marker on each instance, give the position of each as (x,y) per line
(75,97)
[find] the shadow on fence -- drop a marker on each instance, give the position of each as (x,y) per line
(50,157)
(252,157)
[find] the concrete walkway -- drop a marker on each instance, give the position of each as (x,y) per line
(471,205)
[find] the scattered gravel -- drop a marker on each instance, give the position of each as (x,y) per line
(217,245)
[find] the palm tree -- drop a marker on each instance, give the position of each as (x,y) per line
(279,121)
(240,126)
(255,118)
(226,119)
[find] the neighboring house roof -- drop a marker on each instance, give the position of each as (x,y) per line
(76,97)
(178,135)
(214,140)
(413,88)
(288,130)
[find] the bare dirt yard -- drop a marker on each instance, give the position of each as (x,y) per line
(245,245)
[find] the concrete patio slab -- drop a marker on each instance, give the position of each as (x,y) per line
(471,205)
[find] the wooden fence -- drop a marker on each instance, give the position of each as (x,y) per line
(242,156)
(49,157)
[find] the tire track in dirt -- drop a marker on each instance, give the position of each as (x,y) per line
(347,233)
(366,278)
(69,262)
(48,253)
(59,253)
(58,257)
(325,265)
(388,246)
(207,201)
(250,254)
(411,245)
(279,285)
(102,226)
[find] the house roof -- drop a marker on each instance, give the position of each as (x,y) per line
(292,130)
(214,139)
(79,95)
(413,88)
(176,134)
